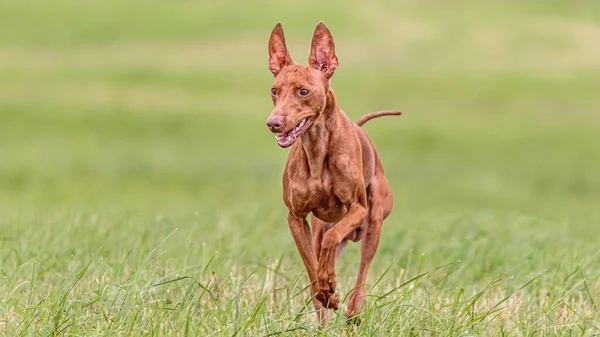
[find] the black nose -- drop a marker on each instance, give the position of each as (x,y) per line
(275,123)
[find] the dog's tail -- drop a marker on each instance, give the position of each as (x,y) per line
(376,114)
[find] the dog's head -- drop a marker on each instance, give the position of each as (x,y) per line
(299,92)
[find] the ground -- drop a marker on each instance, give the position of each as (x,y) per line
(140,190)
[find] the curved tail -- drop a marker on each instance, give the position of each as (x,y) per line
(376,114)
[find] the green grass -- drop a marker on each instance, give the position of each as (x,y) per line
(140,191)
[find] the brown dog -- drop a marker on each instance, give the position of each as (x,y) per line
(333,172)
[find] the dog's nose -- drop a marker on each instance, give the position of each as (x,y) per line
(275,123)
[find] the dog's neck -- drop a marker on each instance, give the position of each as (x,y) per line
(316,140)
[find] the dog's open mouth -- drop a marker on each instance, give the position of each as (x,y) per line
(286,139)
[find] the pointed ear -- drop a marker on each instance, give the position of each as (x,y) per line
(322,51)
(278,53)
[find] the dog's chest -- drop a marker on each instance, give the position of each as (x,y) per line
(316,195)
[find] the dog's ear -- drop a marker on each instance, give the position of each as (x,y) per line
(278,53)
(322,51)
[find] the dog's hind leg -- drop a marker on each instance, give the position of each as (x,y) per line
(381,203)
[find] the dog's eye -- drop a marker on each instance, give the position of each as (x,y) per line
(304,92)
(273,91)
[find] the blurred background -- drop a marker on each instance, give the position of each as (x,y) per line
(147,105)
(151,103)
(155,111)
(119,105)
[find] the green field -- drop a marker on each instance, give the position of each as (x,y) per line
(140,190)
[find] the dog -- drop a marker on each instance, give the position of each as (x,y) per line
(332,172)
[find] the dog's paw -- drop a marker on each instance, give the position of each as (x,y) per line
(326,290)
(326,283)
(329,301)
(334,301)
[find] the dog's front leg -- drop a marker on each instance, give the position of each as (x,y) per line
(331,242)
(302,237)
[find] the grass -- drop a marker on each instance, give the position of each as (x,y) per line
(140,191)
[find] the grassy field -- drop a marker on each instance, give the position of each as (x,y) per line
(140,190)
